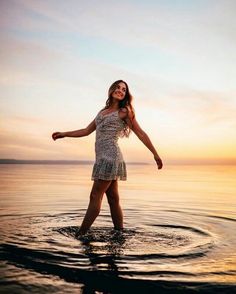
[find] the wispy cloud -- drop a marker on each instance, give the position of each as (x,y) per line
(59,58)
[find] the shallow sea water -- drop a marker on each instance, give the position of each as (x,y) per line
(179,234)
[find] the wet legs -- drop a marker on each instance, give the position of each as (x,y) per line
(96,195)
(114,203)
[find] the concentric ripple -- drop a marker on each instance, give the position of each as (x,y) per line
(163,241)
(169,250)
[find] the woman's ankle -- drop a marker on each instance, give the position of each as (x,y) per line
(118,228)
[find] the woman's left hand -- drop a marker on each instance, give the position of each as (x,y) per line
(158,161)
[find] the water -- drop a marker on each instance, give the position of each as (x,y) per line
(179,232)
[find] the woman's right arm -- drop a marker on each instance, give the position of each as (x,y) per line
(78,133)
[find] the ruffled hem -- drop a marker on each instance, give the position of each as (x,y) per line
(109,170)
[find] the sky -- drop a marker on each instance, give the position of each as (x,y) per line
(58,59)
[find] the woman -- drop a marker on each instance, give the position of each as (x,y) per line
(115,120)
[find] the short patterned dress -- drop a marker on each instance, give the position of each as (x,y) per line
(109,164)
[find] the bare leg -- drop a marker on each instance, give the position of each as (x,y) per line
(114,203)
(98,189)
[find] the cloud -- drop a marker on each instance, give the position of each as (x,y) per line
(194,43)
(35,142)
(209,106)
(155,24)
(59,59)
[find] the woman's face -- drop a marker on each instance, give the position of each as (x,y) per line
(120,91)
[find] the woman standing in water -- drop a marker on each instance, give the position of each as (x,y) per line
(115,120)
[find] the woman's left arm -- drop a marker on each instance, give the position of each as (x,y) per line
(145,139)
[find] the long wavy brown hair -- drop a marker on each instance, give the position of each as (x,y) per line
(125,103)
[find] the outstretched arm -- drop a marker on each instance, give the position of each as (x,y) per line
(133,124)
(78,133)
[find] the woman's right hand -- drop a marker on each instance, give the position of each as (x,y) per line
(158,161)
(58,135)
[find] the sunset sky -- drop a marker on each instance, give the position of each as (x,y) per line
(58,59)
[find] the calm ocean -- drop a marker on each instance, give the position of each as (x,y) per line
(179,235)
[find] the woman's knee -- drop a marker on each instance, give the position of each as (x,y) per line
(98,189)
(95,203)
(113,194)
(95,196)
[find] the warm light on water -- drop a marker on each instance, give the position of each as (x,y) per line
(179,227)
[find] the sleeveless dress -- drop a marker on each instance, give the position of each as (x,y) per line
(109,164)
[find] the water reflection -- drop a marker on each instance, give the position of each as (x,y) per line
(112,245)
(183,231)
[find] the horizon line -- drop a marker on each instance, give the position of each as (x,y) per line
(76,161)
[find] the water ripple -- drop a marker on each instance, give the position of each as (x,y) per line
(166,253)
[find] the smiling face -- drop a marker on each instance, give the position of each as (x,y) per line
(120,91)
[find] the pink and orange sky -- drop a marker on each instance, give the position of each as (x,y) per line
(58,59)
